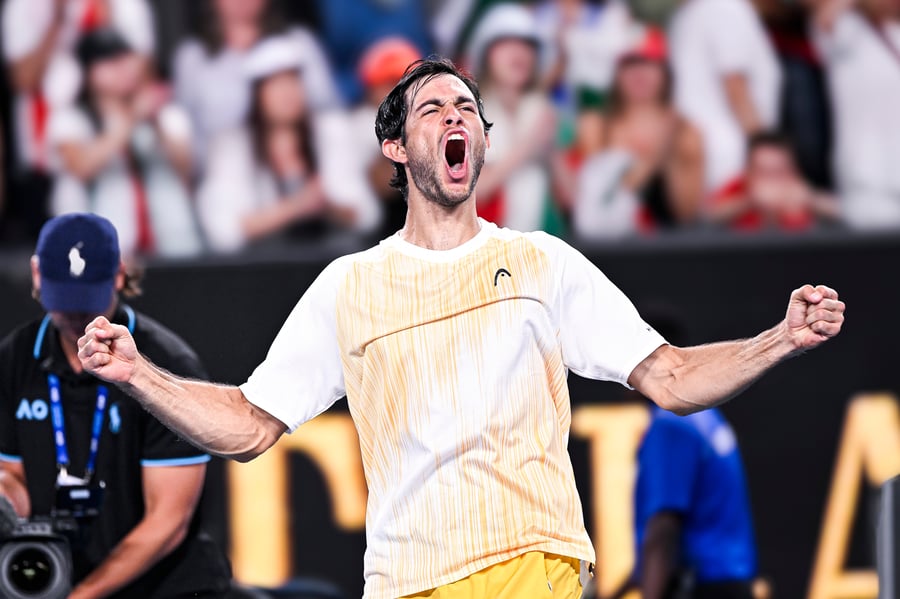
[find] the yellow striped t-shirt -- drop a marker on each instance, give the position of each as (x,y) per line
(454,365)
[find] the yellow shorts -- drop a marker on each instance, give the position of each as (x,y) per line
(532,575)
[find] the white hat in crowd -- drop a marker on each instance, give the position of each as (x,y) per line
(503,21)
(274,55)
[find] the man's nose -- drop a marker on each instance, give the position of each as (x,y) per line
(453,117)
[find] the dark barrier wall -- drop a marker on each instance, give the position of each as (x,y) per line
(788,424)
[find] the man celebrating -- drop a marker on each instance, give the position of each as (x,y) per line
(64,434)
(452,340)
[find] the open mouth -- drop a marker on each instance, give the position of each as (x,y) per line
(455,155)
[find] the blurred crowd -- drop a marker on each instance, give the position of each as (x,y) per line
(613,118)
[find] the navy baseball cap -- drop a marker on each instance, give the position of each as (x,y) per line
(78,258)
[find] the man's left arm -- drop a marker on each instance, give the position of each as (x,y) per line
(686,380)
(171,494)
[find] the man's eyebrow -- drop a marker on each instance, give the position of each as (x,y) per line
(436,102)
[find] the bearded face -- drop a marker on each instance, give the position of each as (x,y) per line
(445,141)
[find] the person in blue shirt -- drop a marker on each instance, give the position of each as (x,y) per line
(693,523)
(692,511)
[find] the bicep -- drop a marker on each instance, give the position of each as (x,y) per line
(172,491)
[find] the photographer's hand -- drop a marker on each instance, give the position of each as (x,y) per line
(12,486)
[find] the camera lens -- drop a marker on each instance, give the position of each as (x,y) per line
(30,570)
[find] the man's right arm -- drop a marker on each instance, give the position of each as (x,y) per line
(216,418)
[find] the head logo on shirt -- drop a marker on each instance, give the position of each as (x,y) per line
(76,262)
(501,272)
(115,419)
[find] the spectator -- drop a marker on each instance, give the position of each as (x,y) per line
(381,67)
(859,42)
(805,108)
(269,176)
(644,166)
(210,74)
(514,187)
(582,40)
(125,151)
(727,80)
(38,39)
(772,192)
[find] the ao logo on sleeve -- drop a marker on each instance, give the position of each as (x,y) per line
(36,409)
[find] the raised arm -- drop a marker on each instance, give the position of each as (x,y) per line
(216,418)
(686,380)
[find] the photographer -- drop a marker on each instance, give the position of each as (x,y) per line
(61,428)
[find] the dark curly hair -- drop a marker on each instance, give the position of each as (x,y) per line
(391,120)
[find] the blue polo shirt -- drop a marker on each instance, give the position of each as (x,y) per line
(691,465)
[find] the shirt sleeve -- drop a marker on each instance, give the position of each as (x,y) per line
(302,375)
(668,464)
(601,333)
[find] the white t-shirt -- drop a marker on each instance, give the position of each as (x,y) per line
(25,23)
(216,92)
(864,85)
(112,192)
(454,364)
(709,39)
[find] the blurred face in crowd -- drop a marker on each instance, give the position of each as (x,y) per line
(771,163)
(240,11)
(511,63)
(118,76)
(282,99)
(641,81)
(445,140)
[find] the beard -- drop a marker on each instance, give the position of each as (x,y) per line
(425,174)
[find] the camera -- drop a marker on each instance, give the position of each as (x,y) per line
(35,558)
(36,554)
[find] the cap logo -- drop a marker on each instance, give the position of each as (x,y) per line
(76,262)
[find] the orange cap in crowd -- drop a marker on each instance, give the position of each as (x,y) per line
(651,46)
(385,61)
